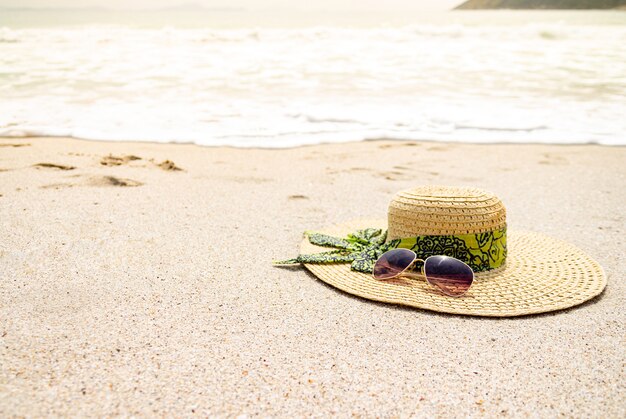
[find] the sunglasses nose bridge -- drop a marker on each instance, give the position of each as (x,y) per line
(412,265)
(422,267)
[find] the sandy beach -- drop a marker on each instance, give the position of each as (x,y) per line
(136,279)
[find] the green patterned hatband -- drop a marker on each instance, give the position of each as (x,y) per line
(481,251)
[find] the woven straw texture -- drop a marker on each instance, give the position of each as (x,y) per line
(443,210)
(541,274)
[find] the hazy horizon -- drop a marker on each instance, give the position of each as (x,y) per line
(327,5)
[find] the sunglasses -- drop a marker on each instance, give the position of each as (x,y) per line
(451,276)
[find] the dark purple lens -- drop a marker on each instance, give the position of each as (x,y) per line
(450,275)
(392,263)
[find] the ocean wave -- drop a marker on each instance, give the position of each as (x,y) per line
(547,82)
(501,129)
(294,140)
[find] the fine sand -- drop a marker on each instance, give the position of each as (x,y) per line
(135,279)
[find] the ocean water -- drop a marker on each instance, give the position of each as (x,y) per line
(266,79)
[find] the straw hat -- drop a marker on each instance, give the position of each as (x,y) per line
(537,274)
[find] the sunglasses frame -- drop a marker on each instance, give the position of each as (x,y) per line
(414,275)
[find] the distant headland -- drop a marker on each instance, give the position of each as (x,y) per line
(542,4)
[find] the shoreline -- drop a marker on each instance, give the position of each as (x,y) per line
(367,140)
(137,289)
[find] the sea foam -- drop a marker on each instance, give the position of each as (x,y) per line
(264,87)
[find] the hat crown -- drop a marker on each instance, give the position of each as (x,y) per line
(444,210)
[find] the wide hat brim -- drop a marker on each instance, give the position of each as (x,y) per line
(541,274)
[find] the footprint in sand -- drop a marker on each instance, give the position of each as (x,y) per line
(297,197)
(395,175)
(53,166)
(553,160)
(404,144)
(169,166)
(14,144)
(439,148)
(330,171)
(97,181)
(111,160)
(113,181)
(58,186)
(402,167)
